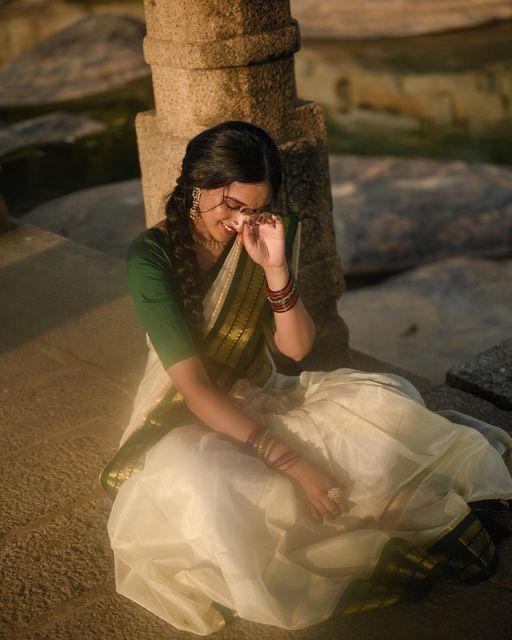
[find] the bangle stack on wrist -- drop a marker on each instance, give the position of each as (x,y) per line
(262,442)
(285,298)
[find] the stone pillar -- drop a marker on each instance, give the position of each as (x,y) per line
(216,60)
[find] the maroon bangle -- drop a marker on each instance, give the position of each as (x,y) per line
(274,294)
(284,458)
(285,306)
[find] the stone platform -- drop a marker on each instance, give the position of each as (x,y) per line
(72,355)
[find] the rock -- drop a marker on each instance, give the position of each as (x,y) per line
(393,213)
(433,316)
(106,218)
(95,54)
(442,397)
(487,375)
(377,18)
(46,129)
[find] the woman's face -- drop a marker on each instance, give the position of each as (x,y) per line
(223,208)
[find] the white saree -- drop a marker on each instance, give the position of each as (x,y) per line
(206,522)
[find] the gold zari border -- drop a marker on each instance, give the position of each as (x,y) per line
(233,348)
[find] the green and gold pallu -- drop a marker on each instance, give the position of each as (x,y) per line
(233,348)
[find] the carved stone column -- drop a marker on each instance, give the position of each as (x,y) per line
(216,60)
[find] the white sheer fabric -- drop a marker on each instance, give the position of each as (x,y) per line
(207,521)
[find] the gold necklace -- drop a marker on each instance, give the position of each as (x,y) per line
(207,243)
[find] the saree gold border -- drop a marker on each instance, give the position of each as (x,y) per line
(226,283)
(405,572)
(226,347)
(239,324)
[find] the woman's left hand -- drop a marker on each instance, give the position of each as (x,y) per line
(263,236)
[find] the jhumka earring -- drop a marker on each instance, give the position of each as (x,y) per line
(194,209)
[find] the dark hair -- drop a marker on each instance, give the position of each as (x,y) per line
(232,151)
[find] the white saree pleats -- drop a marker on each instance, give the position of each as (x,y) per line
(205,521)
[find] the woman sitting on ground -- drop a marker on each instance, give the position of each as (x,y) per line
(239,490)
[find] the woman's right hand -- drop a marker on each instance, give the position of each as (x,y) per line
(316,483)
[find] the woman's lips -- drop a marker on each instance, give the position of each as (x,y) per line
(230,230)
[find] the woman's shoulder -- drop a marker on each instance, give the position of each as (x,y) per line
(149,244)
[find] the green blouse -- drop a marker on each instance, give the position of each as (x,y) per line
(153,288)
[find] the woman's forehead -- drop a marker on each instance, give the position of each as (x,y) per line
(250,194)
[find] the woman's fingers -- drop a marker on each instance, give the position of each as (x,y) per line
(317,515)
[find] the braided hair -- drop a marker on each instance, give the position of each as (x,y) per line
(232,151)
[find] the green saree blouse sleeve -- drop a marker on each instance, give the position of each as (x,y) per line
(152,287)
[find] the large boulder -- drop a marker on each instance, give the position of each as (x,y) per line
(95,54)
(106,218)
(377,18)
(430,318)
(394,213)
(49,128)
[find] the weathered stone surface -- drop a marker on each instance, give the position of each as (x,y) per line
(47,129)
(442,397)
(487,375)
(44,567)
(106,218)
(106,615)
(377,18)
(56,404)
(426,319)
(93,55)
(70,286)
(393,213)
(396,94)
(55,474)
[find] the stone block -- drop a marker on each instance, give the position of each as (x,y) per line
(45,568)
(443,397)
(76,291)
(63,401)
(487,375)
(431,316)
(216,54)
(16,353)
(259,93)
(50,476)
(179,20)
(107,616)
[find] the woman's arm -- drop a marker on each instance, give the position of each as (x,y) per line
(212,407)
(220,414)
(295,330)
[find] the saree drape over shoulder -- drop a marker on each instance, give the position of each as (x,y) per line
(199,524)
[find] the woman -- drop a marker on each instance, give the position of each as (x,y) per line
(241,490)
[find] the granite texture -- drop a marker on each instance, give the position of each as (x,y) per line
(487,375)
